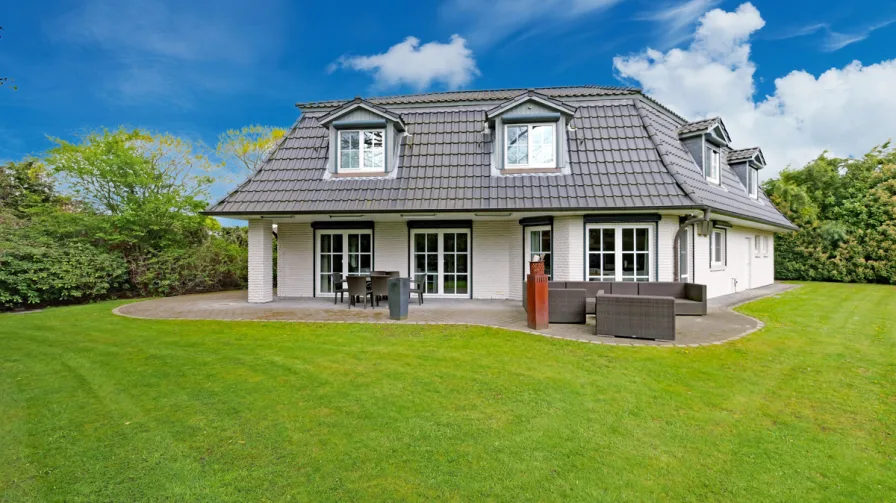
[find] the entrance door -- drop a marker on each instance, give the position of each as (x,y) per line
(443,258)
(346,252)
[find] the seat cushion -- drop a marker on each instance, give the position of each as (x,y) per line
(591,287)
(662,289)
(689,307)
(624,288)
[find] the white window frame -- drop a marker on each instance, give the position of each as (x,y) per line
(765,245)
(713,264)
(361,168)
(440,275)
(753,182)
(686,239)
(715,166)
(757,245)
(618,252)
(552,164)
(528,246)
(345,253)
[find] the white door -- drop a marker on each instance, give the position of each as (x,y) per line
(538,242)
(619,253)
(748,266)
(346,252)
(442,258)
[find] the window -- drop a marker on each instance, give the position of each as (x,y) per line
(441,259)
(684,264)
(619,253)
(529,146)
(757,245)
(765,240)
(717,245)
(711,168)
(753,182)
(343,252)
(538,242)
(362,151)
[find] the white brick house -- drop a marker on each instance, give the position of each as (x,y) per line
(461,188)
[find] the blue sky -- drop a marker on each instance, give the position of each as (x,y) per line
(795,77)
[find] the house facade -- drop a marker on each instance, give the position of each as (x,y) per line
(460,189)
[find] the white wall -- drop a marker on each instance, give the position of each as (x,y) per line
(569,248)
(295,259)
(261,269)
(492,251)
(734,277)
(665,251)
(390,247)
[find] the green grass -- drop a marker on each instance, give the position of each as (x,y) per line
(95,407)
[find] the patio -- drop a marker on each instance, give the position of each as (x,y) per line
(721,324)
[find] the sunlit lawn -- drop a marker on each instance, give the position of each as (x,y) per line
(95,407)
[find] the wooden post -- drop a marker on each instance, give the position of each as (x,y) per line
(537,296)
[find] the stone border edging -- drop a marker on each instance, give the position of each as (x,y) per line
(633,343)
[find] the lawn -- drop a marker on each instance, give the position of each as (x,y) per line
(95,407)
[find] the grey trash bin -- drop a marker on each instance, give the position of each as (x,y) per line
(399,291)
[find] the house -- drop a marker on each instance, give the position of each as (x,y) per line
(463,187)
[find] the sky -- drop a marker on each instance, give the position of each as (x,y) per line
(795,78)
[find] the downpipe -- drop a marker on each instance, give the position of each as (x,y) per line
(675,242)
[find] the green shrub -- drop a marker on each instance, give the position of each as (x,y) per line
(37,272)
(216,264)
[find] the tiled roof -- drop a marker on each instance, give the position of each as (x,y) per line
(743,154)
(693,127)
(481,95)
(624,153)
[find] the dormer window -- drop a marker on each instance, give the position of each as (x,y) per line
(361,150)
(529,146)
(712,166)
(753,182)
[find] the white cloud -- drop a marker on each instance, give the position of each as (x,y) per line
(418,66)
(835,40)
(487,22)
(844,110)
(677,19)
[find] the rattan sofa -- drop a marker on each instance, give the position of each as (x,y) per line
(689,298)
(639,316)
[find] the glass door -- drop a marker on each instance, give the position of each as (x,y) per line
(442,259)
(684,261)
(619,253)
(538,242)
(344,252)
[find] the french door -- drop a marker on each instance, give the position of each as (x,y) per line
(345,252)
(619,253)
(538,242)
(441,258)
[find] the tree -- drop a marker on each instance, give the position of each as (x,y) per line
(251,145)
(24,186)
(152,186)
(846,211)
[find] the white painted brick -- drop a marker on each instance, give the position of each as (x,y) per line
(491,259)
(569,248)
(666,249)
(261,271)
(295,260)
(390,247)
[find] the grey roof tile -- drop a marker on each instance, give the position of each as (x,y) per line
(445,164)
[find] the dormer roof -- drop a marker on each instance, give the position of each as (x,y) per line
(752,155)
(713,126)
(531,96)
(357,103)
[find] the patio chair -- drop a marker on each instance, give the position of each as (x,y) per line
(379,286)
(358,287)
(338,287)
(418,286)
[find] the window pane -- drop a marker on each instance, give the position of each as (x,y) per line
(337,263)
(517,155)
(609,264)
(546,241)
(326,263)
(448,284)
(432,262)
(431,283)
(420,242)
(448,242)
(462,263)
(326,283)
(546,258)
(365,243)
(353,243)
(542,144)
(432,242)
(365,262)
(628,239)
(419,263)
(337,243)
(461,284)
(535,242)
(448,263)
(373,139)
(594,239)
(349,140)
(641,235)
(325,240)
(641,266)
(462,242)
(518,144)
(609,239)
(594,264)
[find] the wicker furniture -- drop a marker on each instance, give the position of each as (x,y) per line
(566,305)
(638,316)
(418,286)
(339,288)
(690,298)
(379,288)
(358,287)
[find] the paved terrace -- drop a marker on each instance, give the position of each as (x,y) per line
(721,324)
